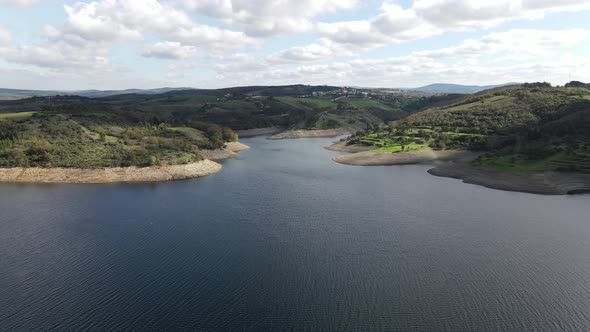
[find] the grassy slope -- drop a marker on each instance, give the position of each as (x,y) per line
(15,116)
(366,103)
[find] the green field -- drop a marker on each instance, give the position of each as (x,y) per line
(385,142)
(321,103)
(367,103)
(192,133)
(576,161)
(16,116)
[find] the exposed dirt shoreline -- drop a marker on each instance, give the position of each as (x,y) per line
(109,175)
(455,164)
(123,174)
(547,183)
(377,158)
(294,134)
(343,147)
(257,132)
(230,151)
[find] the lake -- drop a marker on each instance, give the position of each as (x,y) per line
(285,239)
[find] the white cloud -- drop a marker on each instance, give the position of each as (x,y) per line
(536,55)
(57,56)
(523,43)
(92,29)
(75,80)
(427,18)
(85,43)
(324,49)
(268,17)
(115,20)
(18,3)
(170,50)
(5,37)
(477,14)
(321,50)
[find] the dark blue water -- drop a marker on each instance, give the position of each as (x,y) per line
(284,239)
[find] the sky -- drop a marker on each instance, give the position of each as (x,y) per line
(119,44)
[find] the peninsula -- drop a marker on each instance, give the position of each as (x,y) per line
(73,143)
(532,138)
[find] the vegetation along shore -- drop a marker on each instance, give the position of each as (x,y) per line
(529,137)
(530,131)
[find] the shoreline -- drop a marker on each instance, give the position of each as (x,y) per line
(230,150)
(376,158)
(257,132)
(133,174)
(342,147)
(454,164)
(313,133)
(547,183)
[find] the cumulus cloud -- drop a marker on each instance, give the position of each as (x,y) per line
(175,30)
(525,43)
(268,17)
(476,14)
(427,18)
(92,29)
(170,50)
(321,50)
(57,56)
(113,20)
(532,52)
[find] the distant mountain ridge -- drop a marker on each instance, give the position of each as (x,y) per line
(12,94)
(458,88)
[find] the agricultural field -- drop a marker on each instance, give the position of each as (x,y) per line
(16,116)
(318,103)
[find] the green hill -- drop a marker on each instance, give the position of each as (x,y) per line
(293,106)
(171,127)
(528,127)
(96,136)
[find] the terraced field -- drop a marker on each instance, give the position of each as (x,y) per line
(566,162)
(578,161)
(399,143)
